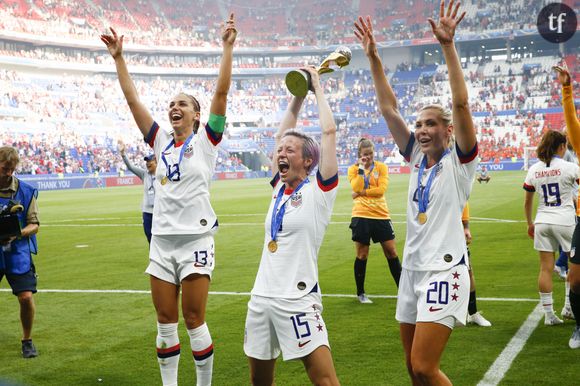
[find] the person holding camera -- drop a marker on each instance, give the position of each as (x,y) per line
(18,199)
(148,178)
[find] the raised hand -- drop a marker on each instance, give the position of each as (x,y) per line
(121,146)
(563,74)
(114,43)
(314,77)
(229,31)
(364,33)
(444,31)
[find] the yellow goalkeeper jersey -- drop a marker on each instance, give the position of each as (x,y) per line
(372,204)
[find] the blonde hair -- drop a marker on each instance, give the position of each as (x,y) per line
(9,155)
(364,143)
(443,113)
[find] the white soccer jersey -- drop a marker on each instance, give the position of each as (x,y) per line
(556,187)
(292,270)
(182,205)
(439,244)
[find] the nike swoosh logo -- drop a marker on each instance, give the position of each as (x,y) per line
(434,309)
(302,344)
(198,265)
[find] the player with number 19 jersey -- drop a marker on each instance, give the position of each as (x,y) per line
(555,185)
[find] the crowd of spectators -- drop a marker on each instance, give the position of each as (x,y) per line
(263,22)
(71,124)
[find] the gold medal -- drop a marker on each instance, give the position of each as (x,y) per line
(272,246)
(164,180)
(422,218)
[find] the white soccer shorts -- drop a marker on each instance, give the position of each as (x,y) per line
(292,326)
(173,258)
(433,296)
(547,237)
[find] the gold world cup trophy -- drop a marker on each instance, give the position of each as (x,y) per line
(299,82)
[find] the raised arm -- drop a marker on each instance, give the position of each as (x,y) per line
(288,122)
(140,113)
(385,94)
(328,165)
(224,80)
(444,31)
(139,172)
(572,123)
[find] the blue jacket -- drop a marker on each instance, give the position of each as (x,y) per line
(18,261)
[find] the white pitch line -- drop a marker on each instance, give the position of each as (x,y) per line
(231,293)
(113,225)
(503,362)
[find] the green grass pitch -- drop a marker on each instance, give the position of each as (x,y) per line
(93,240)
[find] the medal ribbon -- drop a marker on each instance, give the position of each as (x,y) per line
(278,215)
(367,178)
(181,153)
(423,191)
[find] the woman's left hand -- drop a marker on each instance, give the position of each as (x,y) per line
(531,230)
(444,31)
(229,31)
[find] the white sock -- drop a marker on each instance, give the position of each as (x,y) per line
(202,348)
(168,350)
(567,297)
(547,302)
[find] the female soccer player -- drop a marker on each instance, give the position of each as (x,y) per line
(573,129)
(146,175)
(553,179)
(285,309)
(182,245)
(434,288)
(370,215)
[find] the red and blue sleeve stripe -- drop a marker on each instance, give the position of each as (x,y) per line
(407,153)
(150,138)
(466,158)
(275,179)
(214,138)
(529,188)
(327,185)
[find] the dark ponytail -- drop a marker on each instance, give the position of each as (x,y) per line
(549,144)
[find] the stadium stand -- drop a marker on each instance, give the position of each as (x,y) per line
(79,115)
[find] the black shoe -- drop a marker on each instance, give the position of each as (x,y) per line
(28,349)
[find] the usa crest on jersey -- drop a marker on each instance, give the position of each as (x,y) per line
(296,200)
(188,151)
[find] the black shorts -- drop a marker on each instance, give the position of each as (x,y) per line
(21,283)
(575,253)
(363,229)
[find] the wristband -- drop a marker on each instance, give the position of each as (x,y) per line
(217,123)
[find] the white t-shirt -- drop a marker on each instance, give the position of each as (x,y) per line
(182,205)
(292,270)
(439,244)
(556,187)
